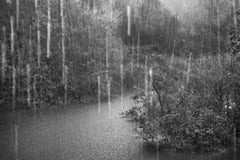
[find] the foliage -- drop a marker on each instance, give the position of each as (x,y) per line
(234,39)
(85,40)
(197,116)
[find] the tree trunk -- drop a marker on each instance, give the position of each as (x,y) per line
(132,56)
(107,57)
(146,75)
(13,63)
(38,34)
(172,58)
(49,31)
(150,85)
(4,52)
(63,40)
(234,14)
(30,58)
(35,93)
(129,20)
(13,87)
(66,85)
(17,14)
(189,68)
(218,30)
(121,73)
(28,85)
(99,94)
(138,48)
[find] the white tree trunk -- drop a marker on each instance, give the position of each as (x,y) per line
(13,87)
(172,61)
(35,92)
(12,35)
(129,20)
(30,44)
(189,68)
(234,14)
(111,10)
(28,85)
(146,75)
(173,56)
(107,57)
(94,7)
(122,73)
(49,31)
(38,34)
(3,48)
(99,94)
(109,90)
(4,52)
(218,26)
(138,49)
(63,40)
(17,14)
(13,63)
(150,85)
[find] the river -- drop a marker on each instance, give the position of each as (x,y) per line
(81,132)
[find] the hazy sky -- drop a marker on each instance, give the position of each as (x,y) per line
(182,7)
(179,5)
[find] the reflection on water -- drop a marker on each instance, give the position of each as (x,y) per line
(79,132)
(99,95)
(16,141)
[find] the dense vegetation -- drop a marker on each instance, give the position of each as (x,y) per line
(198,115)
(185,58)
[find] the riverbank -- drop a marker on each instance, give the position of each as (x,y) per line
(190,105)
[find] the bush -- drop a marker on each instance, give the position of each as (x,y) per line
(198,116)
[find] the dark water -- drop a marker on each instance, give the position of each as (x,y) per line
(80,133)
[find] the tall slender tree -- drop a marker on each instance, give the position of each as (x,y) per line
(4,52)
(129,20)
(94,7)
(29,68)
(99,94)
(121,72)
(189,68)
(138,48)
(218,28)
(38,34)
(234,14)
(146,75)
(107,56)
(63,39)
(28,85)
(17,14)
(13,63)
(49,30)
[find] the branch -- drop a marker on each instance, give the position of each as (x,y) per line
(158,93)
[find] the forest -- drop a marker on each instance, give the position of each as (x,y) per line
(181,58)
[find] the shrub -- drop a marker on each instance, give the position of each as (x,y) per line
(198,116)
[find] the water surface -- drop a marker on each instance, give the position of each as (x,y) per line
(80,132)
